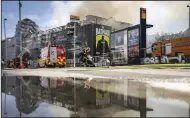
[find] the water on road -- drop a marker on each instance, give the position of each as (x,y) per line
(92,95)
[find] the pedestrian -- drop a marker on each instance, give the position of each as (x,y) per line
(3,63)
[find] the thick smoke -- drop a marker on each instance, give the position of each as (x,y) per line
(166,16)
(120,10)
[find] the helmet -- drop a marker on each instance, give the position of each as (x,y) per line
(88,49)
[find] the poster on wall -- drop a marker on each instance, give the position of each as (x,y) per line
(113,40)
(125,45)
(102,41)
(119,38)
(133,42)
(120,48)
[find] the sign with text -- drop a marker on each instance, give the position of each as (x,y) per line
(102,41)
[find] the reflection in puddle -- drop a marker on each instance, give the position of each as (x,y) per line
(69,97)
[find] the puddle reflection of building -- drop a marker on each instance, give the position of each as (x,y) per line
(133,98)
(7,86)
(94,101)
(27,94)
(100,100)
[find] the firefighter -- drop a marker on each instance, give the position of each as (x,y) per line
(3,63)
(84,54)
(85,57)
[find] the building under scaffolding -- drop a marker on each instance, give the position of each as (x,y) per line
(34,39)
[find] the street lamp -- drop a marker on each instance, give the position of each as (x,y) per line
(5,37)
(5,77)
(20,5)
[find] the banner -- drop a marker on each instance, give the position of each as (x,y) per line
(102,41)
(119,38)
(133,42)
(113,42)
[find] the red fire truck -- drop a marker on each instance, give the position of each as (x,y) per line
(25,63)
(52,82)
(17,62)
(54,56)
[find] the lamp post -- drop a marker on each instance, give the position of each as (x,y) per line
(20,5)
(5,77)
(5,38)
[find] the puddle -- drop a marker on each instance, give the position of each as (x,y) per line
(35,96)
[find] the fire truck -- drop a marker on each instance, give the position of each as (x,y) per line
(52,82)
(172,48)
(16,62)
(54,56)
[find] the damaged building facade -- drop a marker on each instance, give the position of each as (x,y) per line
(34,39)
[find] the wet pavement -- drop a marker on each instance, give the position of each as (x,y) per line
(42,96)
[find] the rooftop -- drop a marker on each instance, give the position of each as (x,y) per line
(108,19)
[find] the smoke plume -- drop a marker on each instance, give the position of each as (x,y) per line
(120,10)
(166,16)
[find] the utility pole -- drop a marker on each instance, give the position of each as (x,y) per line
(5,38)
(74,45)
(20,5)
(72,32)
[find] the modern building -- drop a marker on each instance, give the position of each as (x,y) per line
(34,39)
(11,51)
(3,49)
(28,29)
(116,25)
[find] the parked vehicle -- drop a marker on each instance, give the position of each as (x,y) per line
(174,49)
(54,56)
(16,62)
